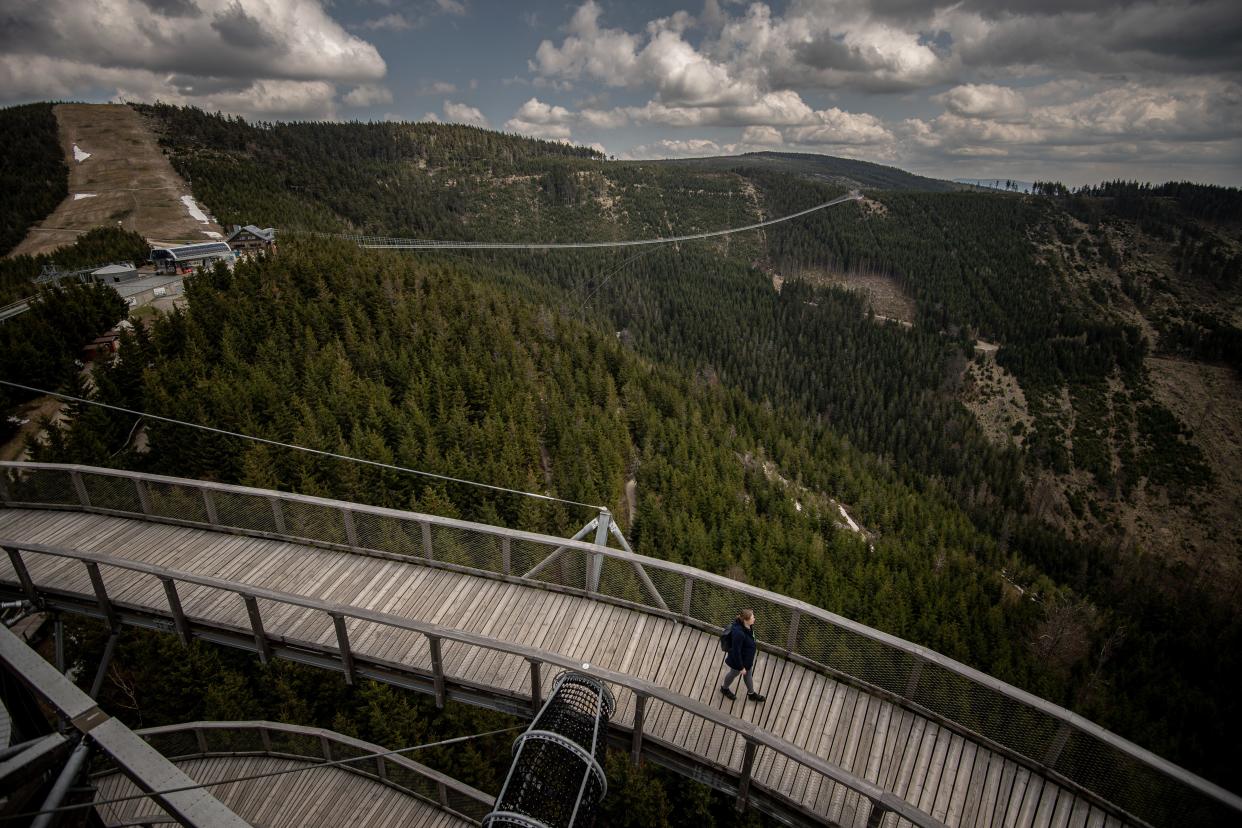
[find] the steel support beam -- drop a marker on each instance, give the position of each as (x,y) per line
(68,775)
(595,565)
(256,624)
(536,687)
(636,747)
(23,575)
(178,614)
(105,663)
(437,668)
(101,595)
(743,784)
(342,641)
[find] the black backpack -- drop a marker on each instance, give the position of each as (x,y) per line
(726,639)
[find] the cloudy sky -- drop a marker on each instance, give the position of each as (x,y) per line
(1025,89)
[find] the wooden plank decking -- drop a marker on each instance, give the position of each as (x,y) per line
(313,797)
(957,781)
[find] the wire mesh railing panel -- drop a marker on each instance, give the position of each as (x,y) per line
(719,605)
(406,777)
(389,534)
(175,743)
(670,584)
(345,750)
(567,569)
(1006,721)
(42,487)
(234,740)
(525,555)
(856,655)
(314,521)
(467,806)
(619,579)
(295,744)
(177,502)
(110,492)
(463,547)
(244,511)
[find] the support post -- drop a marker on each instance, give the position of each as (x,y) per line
(791,641)
(178,614)
(200,736)
(342,641)
(278,516)
(596,563)
(4,485)
(265,737)
(1058,745)
(256,624)
(506,555)
(78,486)
(536,687)
(23,575)
(144,495)
(104,663)
(101,595)
(743,785)
(325,746)
(427,551)
(685,596)
(442,794)
(351,531)
(636,746)
(68,775)
(913,684)
(209,504)
(437,669)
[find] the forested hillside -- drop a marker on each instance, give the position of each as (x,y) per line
(685,368)
(844,172)
(33,175)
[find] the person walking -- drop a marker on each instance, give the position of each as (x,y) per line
(741,656)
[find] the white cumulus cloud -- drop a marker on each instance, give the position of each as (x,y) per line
(460,113)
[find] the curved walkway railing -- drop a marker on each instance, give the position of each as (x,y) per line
(201,740)
(881,802)
(1034,731)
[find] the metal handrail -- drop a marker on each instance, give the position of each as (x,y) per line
(1067,721)
(882,801)
(323,737)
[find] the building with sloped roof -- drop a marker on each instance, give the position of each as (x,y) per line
(251,239)
(186,257)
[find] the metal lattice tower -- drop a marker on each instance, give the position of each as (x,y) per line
(557,777)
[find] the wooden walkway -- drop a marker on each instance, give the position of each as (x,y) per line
(955,780)
(314,797)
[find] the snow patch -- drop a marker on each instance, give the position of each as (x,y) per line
(211,234)
(80,196)
(849,519)
(195,212)
(79,155)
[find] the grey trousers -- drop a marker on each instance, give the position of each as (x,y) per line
(731,674)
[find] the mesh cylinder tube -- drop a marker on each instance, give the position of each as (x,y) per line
(557,777)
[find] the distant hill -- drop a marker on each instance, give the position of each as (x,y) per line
(828,168)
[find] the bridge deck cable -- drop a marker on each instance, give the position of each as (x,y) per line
(295,447)
(385,242)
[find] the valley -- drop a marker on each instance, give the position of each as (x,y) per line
(968,419)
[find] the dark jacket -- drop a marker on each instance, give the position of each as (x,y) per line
(741,646)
